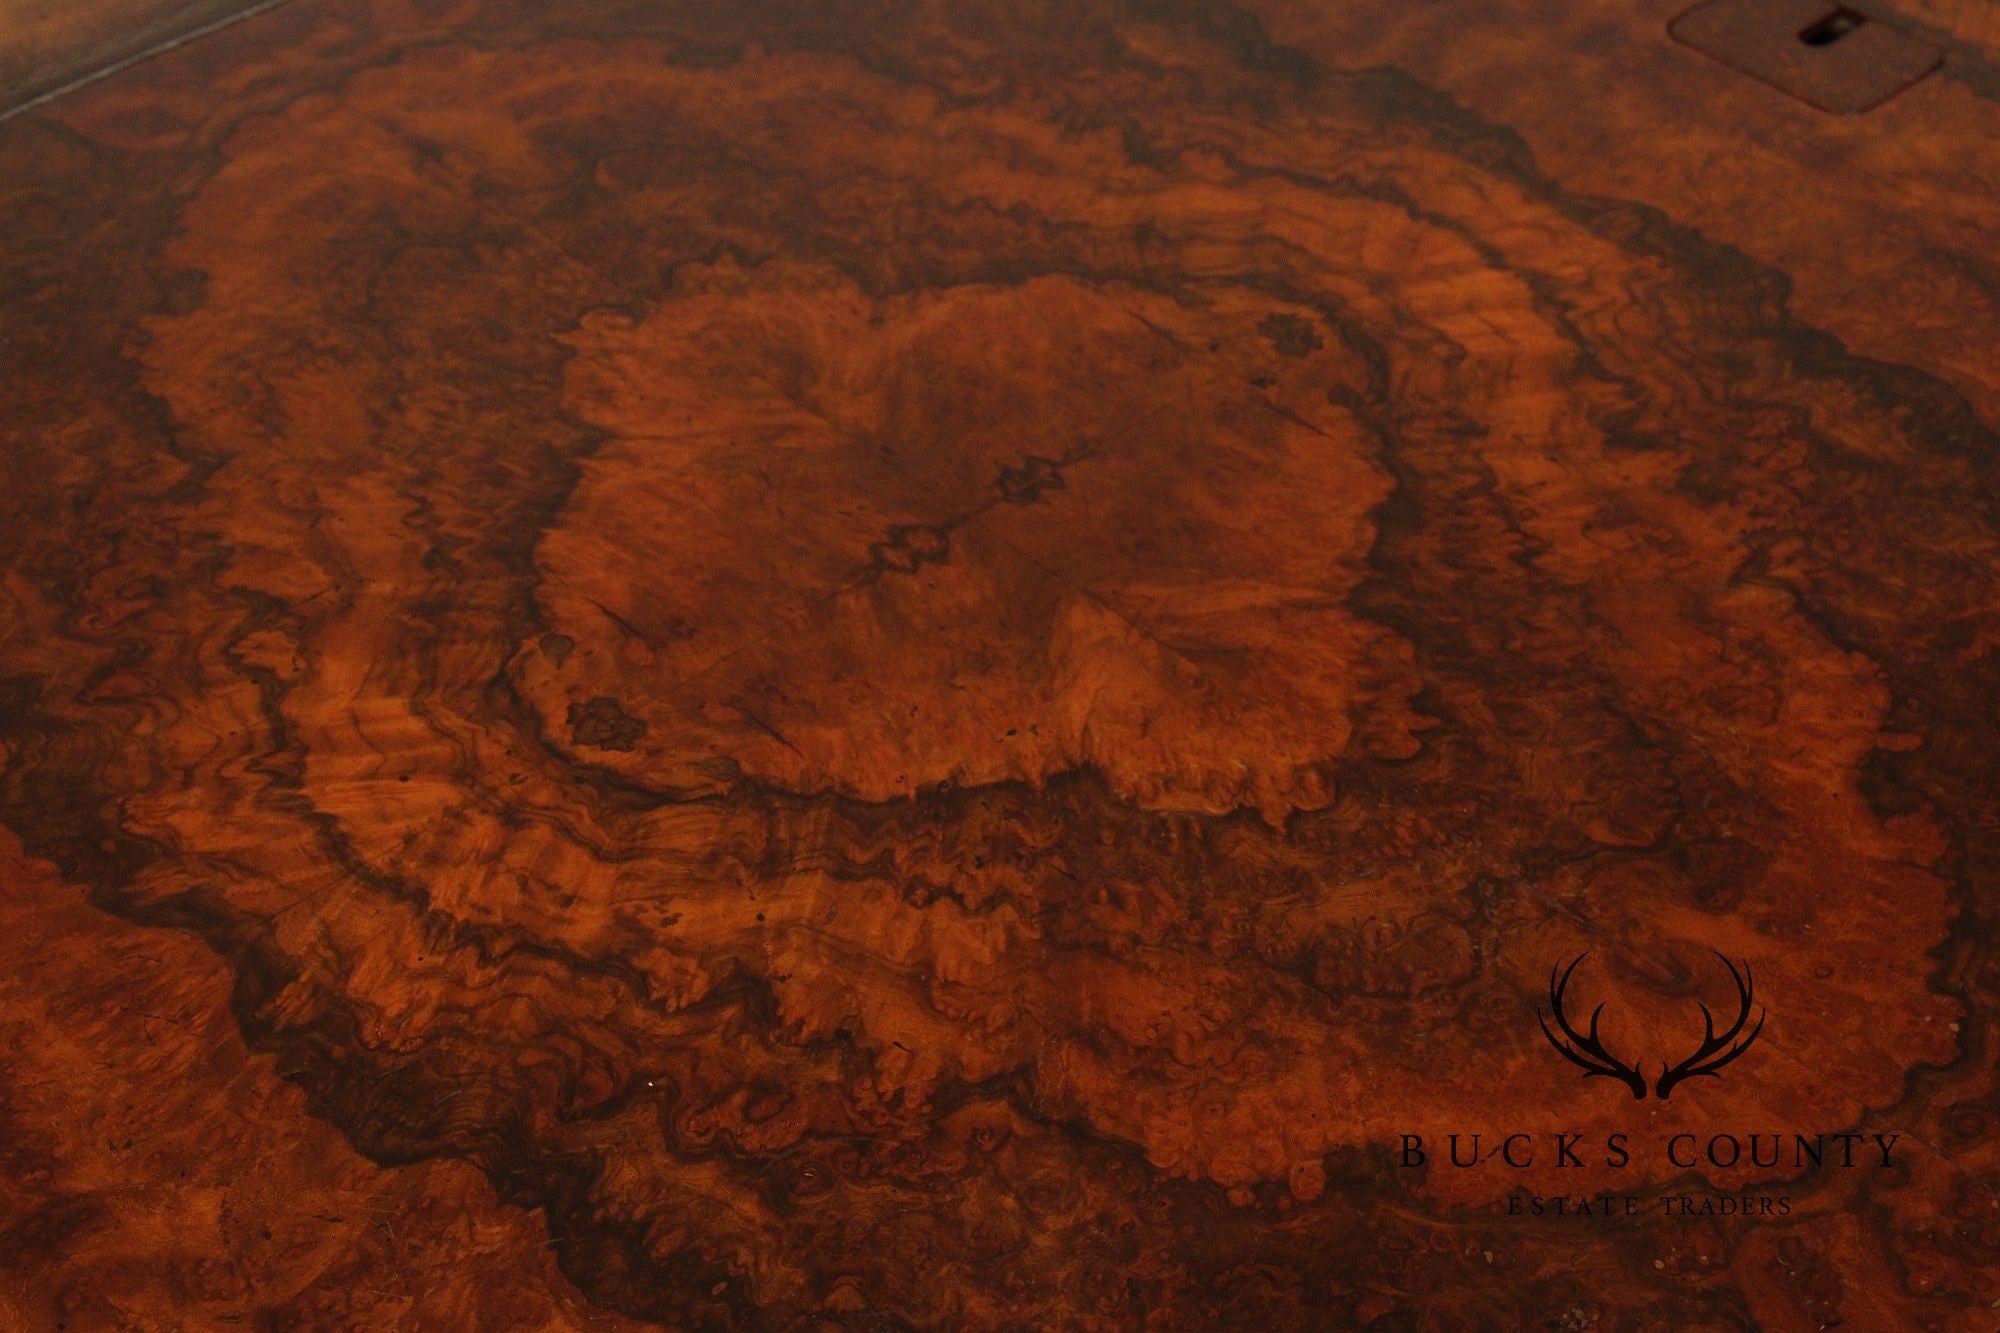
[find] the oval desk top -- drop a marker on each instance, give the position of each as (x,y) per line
(990,665)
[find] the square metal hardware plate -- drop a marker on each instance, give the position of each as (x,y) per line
(1833,56)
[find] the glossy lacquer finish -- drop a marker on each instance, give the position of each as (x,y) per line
(937,665)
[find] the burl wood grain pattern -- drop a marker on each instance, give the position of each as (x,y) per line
(932,666)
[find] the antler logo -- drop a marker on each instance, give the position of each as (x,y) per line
(1587,1052)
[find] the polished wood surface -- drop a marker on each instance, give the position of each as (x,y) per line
(782,666)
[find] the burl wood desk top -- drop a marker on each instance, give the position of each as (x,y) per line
(946,665)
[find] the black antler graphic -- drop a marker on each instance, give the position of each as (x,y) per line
(1586,1052)
(1715,1051)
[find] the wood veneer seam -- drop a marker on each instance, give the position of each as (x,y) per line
(105,71)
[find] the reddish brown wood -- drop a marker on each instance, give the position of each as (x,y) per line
(810,666)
